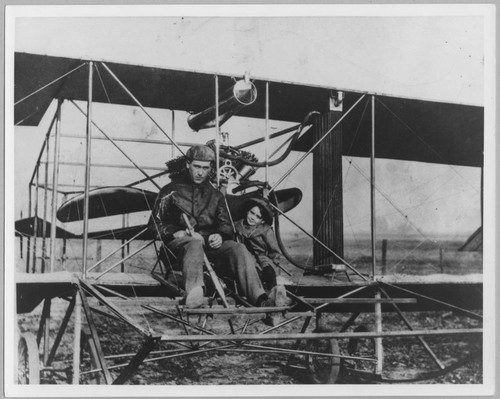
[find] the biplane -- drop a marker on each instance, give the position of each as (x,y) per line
(322,123)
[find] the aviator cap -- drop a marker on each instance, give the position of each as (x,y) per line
(200,153)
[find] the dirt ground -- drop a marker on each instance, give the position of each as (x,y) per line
(403,357)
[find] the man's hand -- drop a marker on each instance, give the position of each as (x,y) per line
(215,241)
(180,234)
(184,233)
(198,236)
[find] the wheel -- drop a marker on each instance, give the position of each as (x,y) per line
(322,369)
(88,360)
(28,360)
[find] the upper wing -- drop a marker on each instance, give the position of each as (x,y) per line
(407,129)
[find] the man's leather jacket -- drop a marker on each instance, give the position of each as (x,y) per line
(202,203)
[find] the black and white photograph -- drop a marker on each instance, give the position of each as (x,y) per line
(228,200)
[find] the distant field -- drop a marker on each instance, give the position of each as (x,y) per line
(408,256)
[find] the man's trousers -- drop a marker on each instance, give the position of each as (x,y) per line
(231,259)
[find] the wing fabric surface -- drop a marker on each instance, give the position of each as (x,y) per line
(107,201)
(406,129)
(26,227)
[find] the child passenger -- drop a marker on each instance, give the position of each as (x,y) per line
(256,232)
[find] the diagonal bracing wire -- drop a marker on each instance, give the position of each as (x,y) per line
(388,199)
(285,175)
(118,147)
(320,243)
(48,84)
(422,140)
(142,107)
(102,83)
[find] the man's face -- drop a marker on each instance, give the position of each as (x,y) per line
(198,170)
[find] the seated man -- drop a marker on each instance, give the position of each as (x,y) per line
(193,195)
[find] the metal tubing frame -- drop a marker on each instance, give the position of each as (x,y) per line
(466,312)
(43,318)
(37,164)
(266,178)
(21,249)
(62,330)
(48,84)
(285,175)
(329,335)
(95,337)
(76,338)
(118,147)
(173,133)
(45,203)
(379,348)
(55,184)
(46,332)
(88,143)
(270,349)
(35,174)
(341,296)
(128,139)
(141,106)
(104,165)
(143,180)
(137,360)
(35,223)
(124,259)
(96,294)
(116,250)
(217,132)
(28,241)
(372,190)
(422,341)
(271,136)
(184,353)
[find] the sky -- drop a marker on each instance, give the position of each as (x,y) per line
(438,55)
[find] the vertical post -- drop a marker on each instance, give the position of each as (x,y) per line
(122,267)
(441,259)
(28,243)
(379,348)
(55,187)
(98,250)
(267,133)
(126,225)
(21,240)
(217,127)
(46,334)
(77,338)
(88,143)
(173,134)
(384,256)
(482,194)
(372,188)
(328,223)
(45,201)
(35,222)
(63,256)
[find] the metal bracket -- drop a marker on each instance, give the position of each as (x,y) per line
(336,100)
